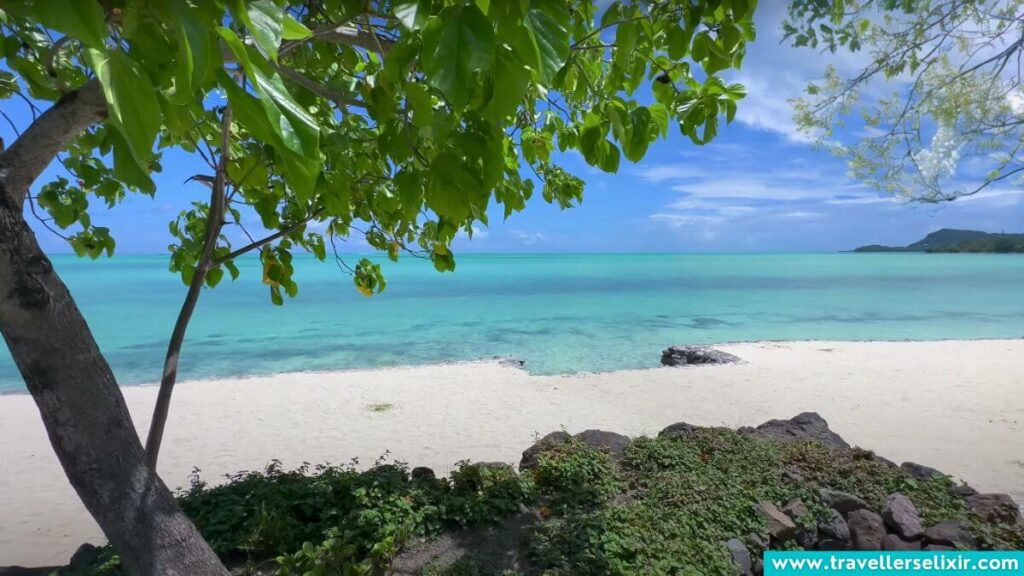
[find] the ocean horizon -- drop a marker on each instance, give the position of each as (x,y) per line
(560,313)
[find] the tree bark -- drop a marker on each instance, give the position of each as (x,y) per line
(81,406)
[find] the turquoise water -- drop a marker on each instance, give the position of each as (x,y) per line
(560,313)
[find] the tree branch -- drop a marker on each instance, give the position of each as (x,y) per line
(263,241)
(24,160)
(214,222)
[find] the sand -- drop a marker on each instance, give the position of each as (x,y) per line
(954,405)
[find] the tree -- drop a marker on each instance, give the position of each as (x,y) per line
(954,124)
(400,121)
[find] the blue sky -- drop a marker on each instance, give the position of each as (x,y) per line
(759,187)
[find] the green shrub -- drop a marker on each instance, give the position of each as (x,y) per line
(575,474)
(484,493)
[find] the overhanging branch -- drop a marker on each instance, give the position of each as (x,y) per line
(39,144)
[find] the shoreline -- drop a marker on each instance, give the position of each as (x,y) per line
(500,359)
(956,405)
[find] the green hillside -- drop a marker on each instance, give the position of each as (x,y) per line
(951,240)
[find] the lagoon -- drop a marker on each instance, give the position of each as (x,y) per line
(561,313)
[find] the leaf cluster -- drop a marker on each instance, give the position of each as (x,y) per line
(402,121)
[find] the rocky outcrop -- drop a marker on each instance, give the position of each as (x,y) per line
(994,508)
(952,533)
(689,355)
(780,526)
(807,426)
(867,530)
(530,455)
(919,471)
(901,515)
(842,501)
(678,429)
(740,556)
(894,542)
(611,443)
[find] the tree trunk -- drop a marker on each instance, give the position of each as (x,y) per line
(80,403)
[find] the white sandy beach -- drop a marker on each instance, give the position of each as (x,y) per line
(954,405)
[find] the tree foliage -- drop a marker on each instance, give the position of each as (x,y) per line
(399,121)
(953,124)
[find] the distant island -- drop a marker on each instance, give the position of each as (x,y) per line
(951,240)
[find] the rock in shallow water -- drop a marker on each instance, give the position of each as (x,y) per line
(686,355)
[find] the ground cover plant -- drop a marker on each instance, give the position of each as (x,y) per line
(668,505)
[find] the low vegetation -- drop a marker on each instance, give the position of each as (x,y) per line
(666,507)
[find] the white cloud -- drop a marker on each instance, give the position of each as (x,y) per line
(802,215)
(528,238)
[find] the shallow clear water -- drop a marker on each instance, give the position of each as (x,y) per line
(560,313)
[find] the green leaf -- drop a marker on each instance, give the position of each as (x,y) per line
(659,115)
(638,134)
(213,277)
(548,22)
(266,24)
(247,111)
(294,30)
(297,128)
(131,101)
(421,105)
(127,168)
(195,51)
(412,14)
(81,19)
(456,44)
(678,42)
(454,190)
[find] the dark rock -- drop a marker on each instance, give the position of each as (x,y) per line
(938,548)
(86,555)
(949,533)
(842,501)
(835,529)
(866,530)
(802,427)
(796,510)
(962,490)
(756,544)
(780,527)
(994,508)
(678,429)
(740,556)
(833,544)
(422,473)
(686,355)
(510,361)
(894,542)
(530,455)
(900,514)
(920,472)
(884,460)
(610,442)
